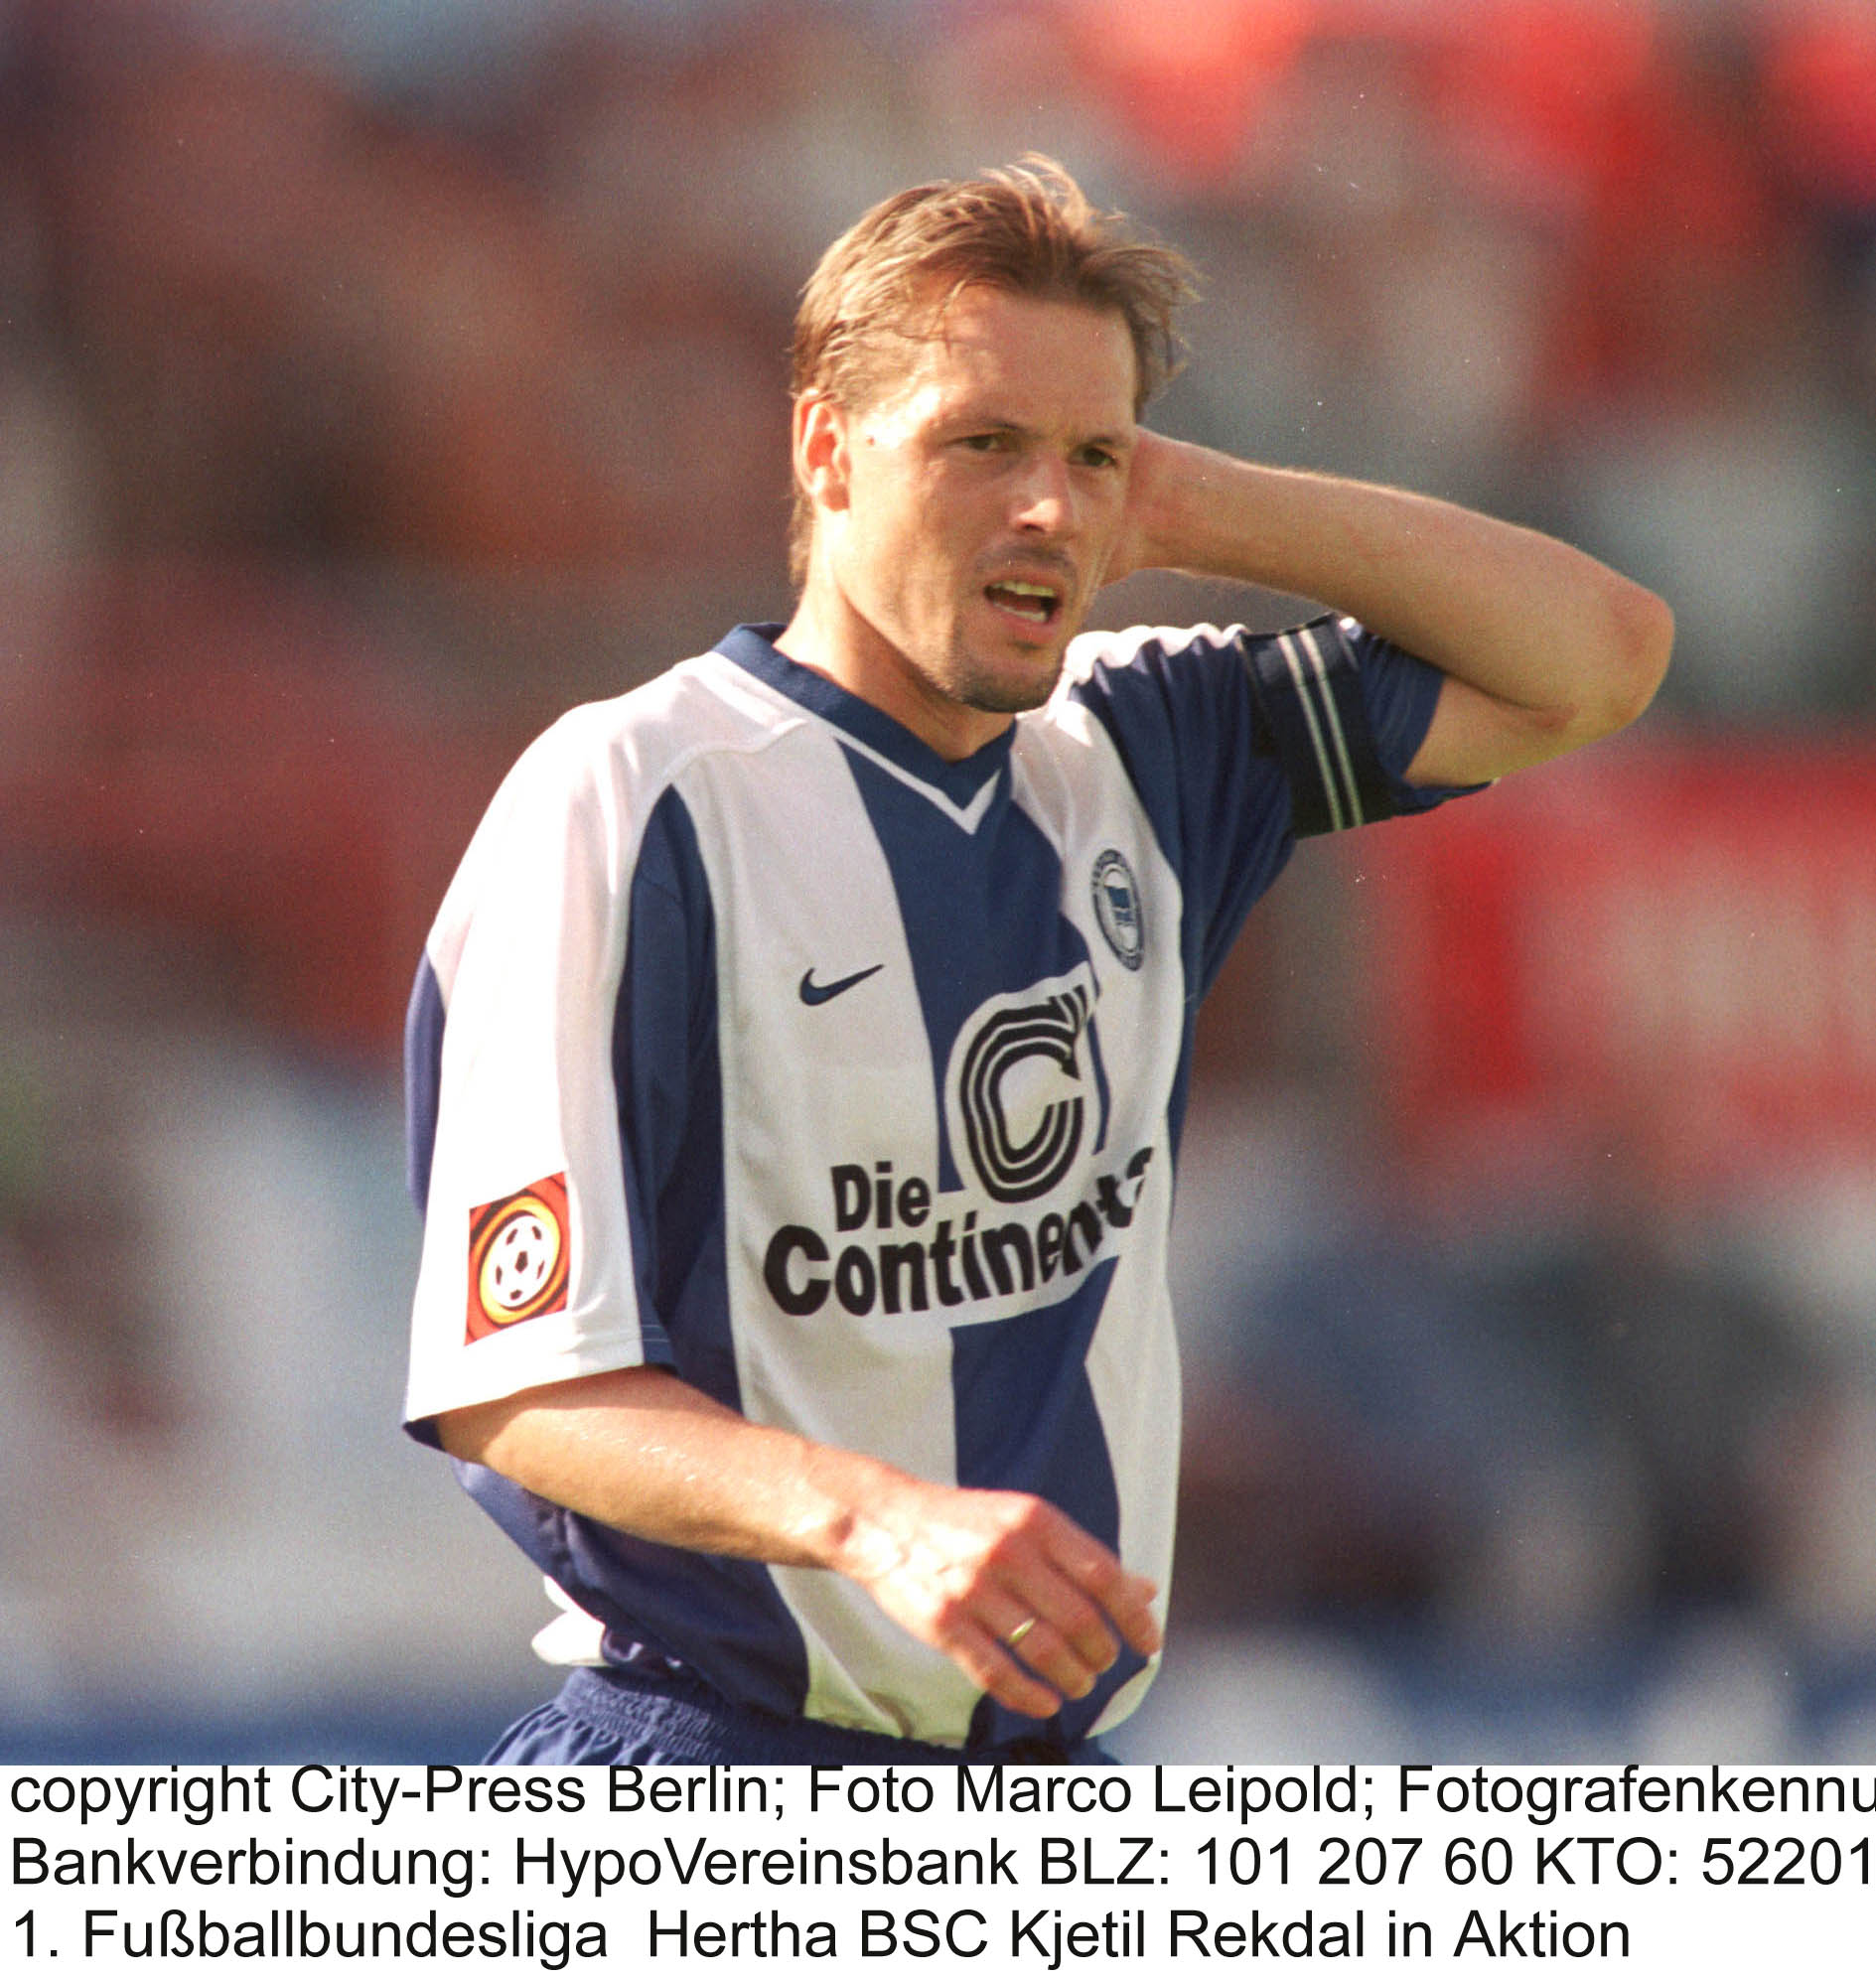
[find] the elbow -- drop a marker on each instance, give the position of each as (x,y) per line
(1637,644)
(466,1433)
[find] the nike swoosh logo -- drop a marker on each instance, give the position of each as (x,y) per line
(824,992)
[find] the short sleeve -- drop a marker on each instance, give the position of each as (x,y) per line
(1343,712)
(528,1274)
(1238,744)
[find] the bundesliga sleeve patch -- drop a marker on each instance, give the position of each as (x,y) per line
(519,1258)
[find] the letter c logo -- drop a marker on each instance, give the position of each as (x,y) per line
(1021,1096)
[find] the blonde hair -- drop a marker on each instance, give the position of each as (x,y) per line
(1029,230)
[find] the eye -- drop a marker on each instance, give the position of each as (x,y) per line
(984,443)
(1097,456)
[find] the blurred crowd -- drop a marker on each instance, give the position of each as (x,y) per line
(377,379)
(515,301)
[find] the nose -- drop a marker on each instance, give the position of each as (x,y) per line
(1044,496)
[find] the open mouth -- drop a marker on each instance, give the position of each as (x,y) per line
(1038,603)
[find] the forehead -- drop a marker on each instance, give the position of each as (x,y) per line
(1037,361)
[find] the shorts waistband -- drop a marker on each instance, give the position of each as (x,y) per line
(700,1726)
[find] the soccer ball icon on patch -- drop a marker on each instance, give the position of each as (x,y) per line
(520,1260)
(519,1263)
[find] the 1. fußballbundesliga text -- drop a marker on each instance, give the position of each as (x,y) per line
(298,1934)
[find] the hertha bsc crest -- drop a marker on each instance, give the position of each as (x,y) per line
(1117,907)
(518,1261)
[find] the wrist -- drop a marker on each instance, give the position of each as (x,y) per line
(848,1526)
(1189,509)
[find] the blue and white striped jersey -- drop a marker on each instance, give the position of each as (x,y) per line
(755,1041)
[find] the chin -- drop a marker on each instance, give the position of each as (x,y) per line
(1012,680)
(1008,696)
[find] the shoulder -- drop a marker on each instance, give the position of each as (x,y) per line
(699,706)
(1179,683)
(1149,649)
(578,800)
(610,762)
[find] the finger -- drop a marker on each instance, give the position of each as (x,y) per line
(1069,1640)
(1124,1599)
(996,1670)
(1130,1607)
(1057,1661)
(1025,1630)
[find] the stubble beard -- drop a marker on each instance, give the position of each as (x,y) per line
(985,688)
(1007,696)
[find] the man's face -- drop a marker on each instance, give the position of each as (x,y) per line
(975,508)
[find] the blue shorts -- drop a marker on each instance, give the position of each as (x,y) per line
(619,1717)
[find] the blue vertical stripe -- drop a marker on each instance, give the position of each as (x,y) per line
(423,1081)
(668,1080)
(1027,1420)
(981,912)
(982,918)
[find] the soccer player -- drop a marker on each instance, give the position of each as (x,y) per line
(800,1051)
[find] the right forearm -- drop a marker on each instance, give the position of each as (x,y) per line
(641,1451)
(967,1572)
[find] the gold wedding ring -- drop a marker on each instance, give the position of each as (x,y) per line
(1014,1640)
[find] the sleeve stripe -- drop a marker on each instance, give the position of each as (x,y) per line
(1344,799)
(1312,715)
(1311,635)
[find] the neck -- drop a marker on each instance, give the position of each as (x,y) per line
(828,637)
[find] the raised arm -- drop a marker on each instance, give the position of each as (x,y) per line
(958,1569)
(1543,648)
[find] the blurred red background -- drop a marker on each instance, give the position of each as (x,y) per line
(376,381)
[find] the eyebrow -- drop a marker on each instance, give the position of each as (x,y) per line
(995,423)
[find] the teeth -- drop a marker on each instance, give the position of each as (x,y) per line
(1023,590)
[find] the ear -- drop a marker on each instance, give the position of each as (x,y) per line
(821,450)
